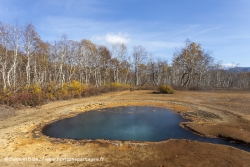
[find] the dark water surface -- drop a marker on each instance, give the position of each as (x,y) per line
(128,123)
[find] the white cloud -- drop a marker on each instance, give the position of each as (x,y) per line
(120,38)
(112,38)
(229,65)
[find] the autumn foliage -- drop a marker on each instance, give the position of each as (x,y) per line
(35,95)
(166,89)
(33,71)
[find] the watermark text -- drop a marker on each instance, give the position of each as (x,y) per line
(49,159)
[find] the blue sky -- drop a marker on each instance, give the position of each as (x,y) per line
(161,26)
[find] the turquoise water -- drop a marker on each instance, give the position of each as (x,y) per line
(127,123)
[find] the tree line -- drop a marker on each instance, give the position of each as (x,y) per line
(27,61)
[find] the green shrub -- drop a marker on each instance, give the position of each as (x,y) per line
(166,89)
(75,88)
(50,91)
(63,93)
(118,86)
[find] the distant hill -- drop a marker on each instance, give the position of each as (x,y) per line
(240,69)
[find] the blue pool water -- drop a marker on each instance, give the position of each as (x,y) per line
(127,123)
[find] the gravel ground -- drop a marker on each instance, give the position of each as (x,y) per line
(213,113)
(6,111)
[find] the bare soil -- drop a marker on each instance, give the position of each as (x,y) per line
(216,113)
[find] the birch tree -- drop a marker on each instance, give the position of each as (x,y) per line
(87,53)
(119,53)
(139,55)
(30,38)
(105,57)
(14,38)
(191,62)
(5,40)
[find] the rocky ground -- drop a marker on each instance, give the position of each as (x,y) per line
(217,113)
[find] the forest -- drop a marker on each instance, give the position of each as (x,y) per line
(33,71)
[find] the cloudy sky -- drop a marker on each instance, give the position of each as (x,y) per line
(161,26)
